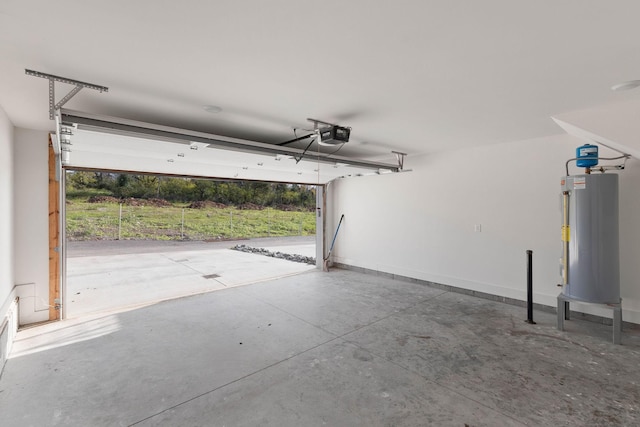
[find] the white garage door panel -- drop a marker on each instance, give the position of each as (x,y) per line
(105,151)
(109,143)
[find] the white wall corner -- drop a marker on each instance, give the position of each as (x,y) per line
(31,224)
(614,126)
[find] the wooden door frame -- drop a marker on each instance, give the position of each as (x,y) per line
(55,247)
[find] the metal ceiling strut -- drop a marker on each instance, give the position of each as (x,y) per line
(400,157)
(53,105)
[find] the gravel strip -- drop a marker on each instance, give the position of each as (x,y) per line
(265,252)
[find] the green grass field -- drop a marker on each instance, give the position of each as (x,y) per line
(102,221)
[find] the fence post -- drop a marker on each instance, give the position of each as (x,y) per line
(120,223)
(231,224)
(269,218)
(182,226)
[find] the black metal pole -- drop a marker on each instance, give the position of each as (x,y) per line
(530,287)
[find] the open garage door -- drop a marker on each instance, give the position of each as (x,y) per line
(135,239)
(98,143)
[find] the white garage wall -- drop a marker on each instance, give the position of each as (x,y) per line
(421,224)
(8,324)
(31,232)
(6,209)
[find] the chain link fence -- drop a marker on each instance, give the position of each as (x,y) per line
(112,221)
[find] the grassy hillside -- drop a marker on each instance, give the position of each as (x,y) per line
(103,221)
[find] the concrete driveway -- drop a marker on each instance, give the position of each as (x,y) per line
(106,276)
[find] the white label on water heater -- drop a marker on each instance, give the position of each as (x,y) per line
(579,183)
(588,150)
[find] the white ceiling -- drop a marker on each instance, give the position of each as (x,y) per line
(415,76)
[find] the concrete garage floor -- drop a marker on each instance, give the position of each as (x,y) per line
(104,276)
(337,349)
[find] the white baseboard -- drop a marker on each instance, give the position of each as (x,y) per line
(8,327)
(33,308)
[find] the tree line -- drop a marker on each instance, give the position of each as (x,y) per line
(175,189)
